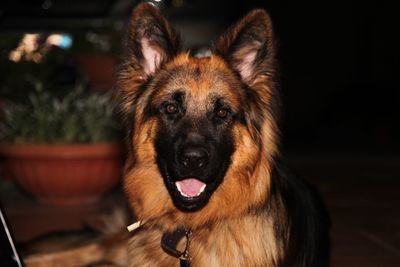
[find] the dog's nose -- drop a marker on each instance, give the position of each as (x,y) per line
(194,158)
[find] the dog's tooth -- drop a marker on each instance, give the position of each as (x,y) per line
(180,190)
(179,187)
(202,189)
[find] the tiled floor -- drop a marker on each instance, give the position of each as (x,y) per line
(362,196)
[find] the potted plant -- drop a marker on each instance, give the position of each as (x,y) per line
(62,150)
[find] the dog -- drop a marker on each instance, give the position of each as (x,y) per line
(203,173)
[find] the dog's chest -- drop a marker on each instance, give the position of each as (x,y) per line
(224,245)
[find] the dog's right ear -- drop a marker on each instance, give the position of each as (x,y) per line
(152,41)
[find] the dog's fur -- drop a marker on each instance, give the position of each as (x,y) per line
(223,109)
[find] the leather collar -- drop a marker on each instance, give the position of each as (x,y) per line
(169,243)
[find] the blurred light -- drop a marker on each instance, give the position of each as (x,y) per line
(32,49)
(27,46)
(54,39)
(15,56)
(30,42)
(66,41)
(63,41)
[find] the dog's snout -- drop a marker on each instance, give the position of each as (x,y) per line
(194,158)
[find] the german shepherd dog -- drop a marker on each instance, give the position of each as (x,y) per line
(203,173)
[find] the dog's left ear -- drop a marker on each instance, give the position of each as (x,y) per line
(248,46)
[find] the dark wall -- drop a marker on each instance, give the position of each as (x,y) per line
(340,65)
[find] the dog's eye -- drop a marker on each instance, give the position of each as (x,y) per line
(170,109)
(222,113)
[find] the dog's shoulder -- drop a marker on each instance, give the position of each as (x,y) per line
(307,223)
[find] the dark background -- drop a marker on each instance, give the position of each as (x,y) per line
(339,60)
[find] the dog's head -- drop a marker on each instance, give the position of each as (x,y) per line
(201,130)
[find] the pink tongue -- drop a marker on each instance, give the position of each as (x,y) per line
(190,187)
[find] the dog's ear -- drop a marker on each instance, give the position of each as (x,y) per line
(152,41)
(248,46)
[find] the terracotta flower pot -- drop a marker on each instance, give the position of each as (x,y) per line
(64,174)
(99,68)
